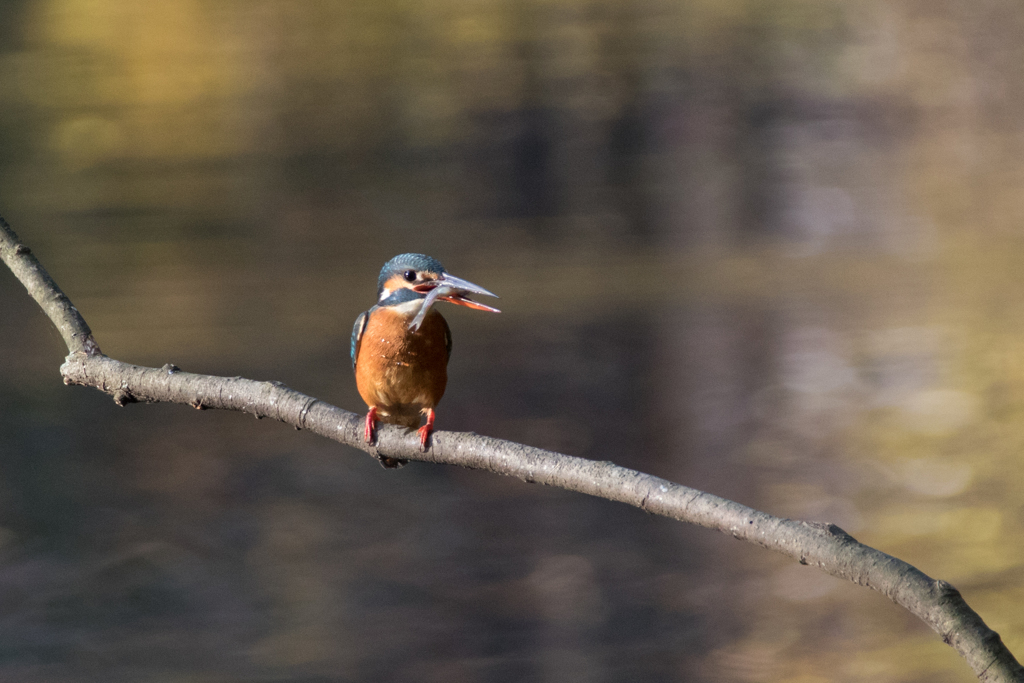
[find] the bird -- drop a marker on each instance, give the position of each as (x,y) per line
(401,346)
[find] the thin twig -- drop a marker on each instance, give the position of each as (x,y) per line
(58,308)
(824,546)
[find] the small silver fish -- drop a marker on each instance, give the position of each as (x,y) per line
(428,301)
(452,289)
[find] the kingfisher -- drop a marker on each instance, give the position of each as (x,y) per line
(401,346)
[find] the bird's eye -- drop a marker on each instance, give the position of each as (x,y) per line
(409,275)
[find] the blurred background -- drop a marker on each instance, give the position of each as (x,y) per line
(770,249)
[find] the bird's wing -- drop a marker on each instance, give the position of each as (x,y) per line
(357,334)
(447,338)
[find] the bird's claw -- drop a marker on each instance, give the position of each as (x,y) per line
(368,432)
(426,430)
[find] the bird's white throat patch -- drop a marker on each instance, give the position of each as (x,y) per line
(409,308)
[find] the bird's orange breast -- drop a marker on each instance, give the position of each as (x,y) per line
(399,372)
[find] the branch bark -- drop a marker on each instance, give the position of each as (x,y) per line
(824,546)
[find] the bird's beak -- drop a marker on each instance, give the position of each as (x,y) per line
(455,290)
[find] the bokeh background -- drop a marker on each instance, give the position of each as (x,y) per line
(769,249)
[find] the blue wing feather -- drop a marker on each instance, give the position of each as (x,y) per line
(357,334)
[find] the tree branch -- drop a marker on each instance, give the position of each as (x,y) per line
(824,546)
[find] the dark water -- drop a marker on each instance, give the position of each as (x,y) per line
(771,251)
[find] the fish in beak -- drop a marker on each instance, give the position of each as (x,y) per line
(452,289)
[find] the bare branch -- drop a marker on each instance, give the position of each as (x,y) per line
(45,291)
(824,546)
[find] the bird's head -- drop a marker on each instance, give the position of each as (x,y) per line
(408,277)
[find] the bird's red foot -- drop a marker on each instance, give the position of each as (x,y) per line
(426,430)
(371,419)
(370,434)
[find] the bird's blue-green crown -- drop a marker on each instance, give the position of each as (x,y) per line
(404,262)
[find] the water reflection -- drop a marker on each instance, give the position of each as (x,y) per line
(771,252)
